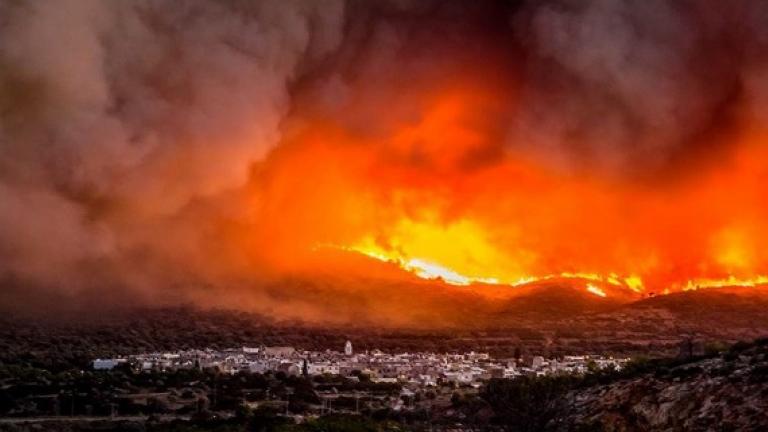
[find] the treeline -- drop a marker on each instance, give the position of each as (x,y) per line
(62,345)
(32,392)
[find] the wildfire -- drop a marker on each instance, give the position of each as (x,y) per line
(430,270)
(426,269)
(730,281)
(431,195)
(595,290)
(488,145)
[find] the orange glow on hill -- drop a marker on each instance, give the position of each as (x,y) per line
(434,189)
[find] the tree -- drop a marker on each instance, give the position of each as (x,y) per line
(527,403)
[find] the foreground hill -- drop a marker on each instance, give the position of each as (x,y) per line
(724,392)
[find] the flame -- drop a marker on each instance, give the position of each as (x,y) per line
(730,281)
(635,283)
(462,254)
(595,290)
(426,269)
(434,193)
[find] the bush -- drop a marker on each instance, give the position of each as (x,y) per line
(528,403)
(759,374)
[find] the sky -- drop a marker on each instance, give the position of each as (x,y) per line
(238,153)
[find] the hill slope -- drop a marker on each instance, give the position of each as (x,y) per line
(725,392)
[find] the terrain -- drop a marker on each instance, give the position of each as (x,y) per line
(692,380)
(549,319)
(723,392)
(724,389)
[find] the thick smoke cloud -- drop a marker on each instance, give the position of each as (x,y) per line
(132,110)
(628,88)
(635,86)
(129,130)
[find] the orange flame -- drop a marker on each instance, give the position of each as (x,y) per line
(595,290)
(730,281)
(434,195)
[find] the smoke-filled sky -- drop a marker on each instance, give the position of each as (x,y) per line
(218,152)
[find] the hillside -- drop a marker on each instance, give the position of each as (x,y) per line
(729,391)
(552,301)
(729,307)
(552,318)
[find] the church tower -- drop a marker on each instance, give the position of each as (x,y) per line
(348,348)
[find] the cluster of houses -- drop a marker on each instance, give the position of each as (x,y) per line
(421,369)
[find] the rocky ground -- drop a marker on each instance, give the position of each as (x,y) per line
(728,392)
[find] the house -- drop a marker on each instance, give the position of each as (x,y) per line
(106,364)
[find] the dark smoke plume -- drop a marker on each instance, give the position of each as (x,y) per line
(128,129)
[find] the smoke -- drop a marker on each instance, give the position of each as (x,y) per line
(146,145)
(115,116)
(628,88)
(634,86)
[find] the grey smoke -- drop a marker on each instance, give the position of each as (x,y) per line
(136,108)
(630,85)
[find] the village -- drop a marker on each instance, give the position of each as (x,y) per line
(412,370)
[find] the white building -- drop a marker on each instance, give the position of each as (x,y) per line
(279,351)
(348,348)
(106,364)
(258,367)
(321,368)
